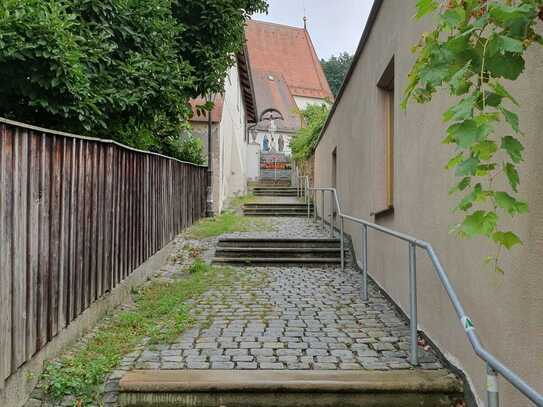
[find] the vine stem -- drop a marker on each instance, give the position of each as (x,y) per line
(481,81)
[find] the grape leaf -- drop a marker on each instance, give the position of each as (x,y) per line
(485,149)
(506,239)
(508,66)
(463,184)
(502,44)
(511,118)
(510,204)
(512,176)
(513,147)
(425,7)
(468,132)
(463,110)
(467,167)
(500,90)
(479,223)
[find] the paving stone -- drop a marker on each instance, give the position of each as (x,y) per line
(274,345)
(172,365)
(261,352)
(197,365)
(246,365)
(277,317)
(172,358)
(324,366)
(274,366)
(317,352)
(243,358)
(222,365)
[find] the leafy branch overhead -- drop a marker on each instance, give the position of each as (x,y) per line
(475,47)
(115,68)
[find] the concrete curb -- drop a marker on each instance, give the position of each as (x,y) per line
(414,381)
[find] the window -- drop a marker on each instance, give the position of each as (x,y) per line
(384,145)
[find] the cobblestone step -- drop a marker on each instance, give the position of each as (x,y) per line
(275,212)
(275,193)
(276,205)
(277,242)
(268,252)
(272,388)
(276,260)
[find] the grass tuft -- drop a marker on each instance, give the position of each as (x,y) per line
(159,313)
(226,222)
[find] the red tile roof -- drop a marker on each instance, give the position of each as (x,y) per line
(289,51)
(274,93)
(216,113)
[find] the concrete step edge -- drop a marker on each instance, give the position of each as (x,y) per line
(282,260)
(283,249)
(411,381)
(279,239)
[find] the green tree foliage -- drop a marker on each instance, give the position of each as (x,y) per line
(475,48)
(335,70)
(304,142)
(121,69)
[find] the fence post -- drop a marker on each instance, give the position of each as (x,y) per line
(365,263)
(413,304)
(492,393)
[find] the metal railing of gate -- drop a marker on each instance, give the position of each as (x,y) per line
(493,365)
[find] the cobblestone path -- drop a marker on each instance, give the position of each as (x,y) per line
(283,318)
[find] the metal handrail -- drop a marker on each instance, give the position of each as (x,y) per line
(493,365)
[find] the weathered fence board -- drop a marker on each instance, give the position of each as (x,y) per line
(77,216)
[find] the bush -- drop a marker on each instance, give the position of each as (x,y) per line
(304,142)
(115,68)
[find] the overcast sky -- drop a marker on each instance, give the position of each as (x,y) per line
(335,25)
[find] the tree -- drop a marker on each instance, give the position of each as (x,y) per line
(118,69)
(304,142)
(335,70)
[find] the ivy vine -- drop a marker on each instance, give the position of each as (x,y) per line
(475,47)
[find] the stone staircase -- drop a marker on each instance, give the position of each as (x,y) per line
(275,191)
(276,209)
(275,388)
(264,251)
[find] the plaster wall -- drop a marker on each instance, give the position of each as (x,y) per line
(233,140)
(228,144)
(507,308)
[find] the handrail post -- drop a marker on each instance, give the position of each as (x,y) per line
(331,214)
(342,243)
(322,210)
(413,304)
(308,202)
(365,263)
(315,205)
(492,393)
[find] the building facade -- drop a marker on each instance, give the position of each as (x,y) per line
(287,77)
(233,113)
(388,167)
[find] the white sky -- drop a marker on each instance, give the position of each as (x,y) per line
(335,25)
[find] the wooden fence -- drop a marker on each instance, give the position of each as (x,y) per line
(77,216)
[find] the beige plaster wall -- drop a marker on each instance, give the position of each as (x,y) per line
(507,309)
(228,144)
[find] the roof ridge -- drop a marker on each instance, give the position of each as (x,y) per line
(277,24)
